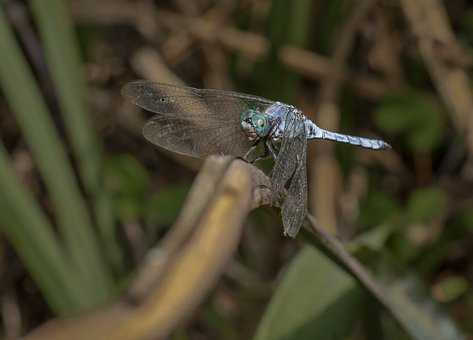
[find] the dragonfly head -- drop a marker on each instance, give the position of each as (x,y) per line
(255,124)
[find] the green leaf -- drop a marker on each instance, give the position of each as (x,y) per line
(129,182)
(413,310)
(426,135)
(376,208)
(451,288)
(56,27)
(315,300)
(163,207)
(395,113)
(124,175)
(74,221)
(28,230)
(62,53)
(414,115)
(426,204)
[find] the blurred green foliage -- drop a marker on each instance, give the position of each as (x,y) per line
(313,301)
(426,204)
(129,184)
(414,116)
(408,231)
(81,254)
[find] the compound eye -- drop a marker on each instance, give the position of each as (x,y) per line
(260,122)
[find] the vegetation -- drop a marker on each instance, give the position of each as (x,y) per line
(86,202)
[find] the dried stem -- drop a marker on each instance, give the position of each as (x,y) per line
(325,176)
(179,273)
(251,45)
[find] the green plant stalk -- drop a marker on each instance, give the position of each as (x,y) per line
(66,69)
(297,36)
(61,50)
(23,95)
(271,74)
(28,230)
(288,25)
(331,15)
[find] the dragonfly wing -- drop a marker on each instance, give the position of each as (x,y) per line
(194,122)
(289,178)
(294,208)
(194,138)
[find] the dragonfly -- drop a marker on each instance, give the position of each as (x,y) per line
(202,122)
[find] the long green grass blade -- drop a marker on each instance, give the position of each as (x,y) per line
(288,24)
(62,53)
(30,233)
(23,95)
(331,15)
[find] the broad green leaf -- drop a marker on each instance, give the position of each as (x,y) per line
(129,182)
(425,204)
(412,309)
(376,208)
(451,288)
(163,207)
(414,115)
(395,113)
(425,136)
(126,176)
(315,300)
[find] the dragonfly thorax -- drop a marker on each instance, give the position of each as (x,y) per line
(255,125)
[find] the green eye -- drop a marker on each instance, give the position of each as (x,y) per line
(261,125)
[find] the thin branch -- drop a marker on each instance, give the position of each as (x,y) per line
(337,252)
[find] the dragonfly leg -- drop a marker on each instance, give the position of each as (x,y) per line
(265,155)
(269,147)
(248,153)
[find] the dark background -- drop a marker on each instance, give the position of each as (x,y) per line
(396,70)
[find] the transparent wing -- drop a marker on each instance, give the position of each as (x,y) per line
(294,208)
(194,122)
(289,178)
